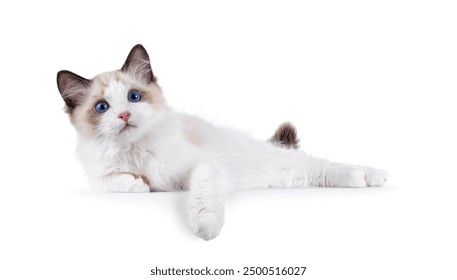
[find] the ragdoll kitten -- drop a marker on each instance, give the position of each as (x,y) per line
(130,140)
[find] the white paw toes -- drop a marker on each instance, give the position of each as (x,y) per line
(355,176)
(132,184)
(375,177)
(206,224)
(124,182)
(138,186)
(365,177)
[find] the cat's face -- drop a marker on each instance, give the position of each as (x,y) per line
(121,105)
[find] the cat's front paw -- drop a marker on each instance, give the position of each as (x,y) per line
(355,176)
(137,186)
(122,182)
(206,222)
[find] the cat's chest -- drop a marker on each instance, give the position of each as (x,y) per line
(163,172)
(134,159)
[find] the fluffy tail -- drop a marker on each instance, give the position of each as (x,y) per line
(285,136)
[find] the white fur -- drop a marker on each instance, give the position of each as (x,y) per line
(181,152)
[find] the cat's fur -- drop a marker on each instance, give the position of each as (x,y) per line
(286,136)
(159,149)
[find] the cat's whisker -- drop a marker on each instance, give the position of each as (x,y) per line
(101,131)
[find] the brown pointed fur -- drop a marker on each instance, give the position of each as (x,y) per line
(286,136)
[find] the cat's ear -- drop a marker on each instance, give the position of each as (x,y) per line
(138,64)
(73,88)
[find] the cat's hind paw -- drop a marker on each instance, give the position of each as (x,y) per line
(375,177)
(355,176)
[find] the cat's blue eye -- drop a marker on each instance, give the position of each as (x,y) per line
(134,96)
(102,106)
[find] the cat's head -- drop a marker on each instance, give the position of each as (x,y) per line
(120,105)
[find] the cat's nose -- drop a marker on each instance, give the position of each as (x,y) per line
(124,116)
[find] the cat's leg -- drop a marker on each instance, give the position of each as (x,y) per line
(322,173)
(296,169)
(120,182)
(207,187)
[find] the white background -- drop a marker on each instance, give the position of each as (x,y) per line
(367,82)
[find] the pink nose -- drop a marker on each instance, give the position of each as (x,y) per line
(124,116)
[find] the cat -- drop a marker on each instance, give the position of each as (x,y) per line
(130,140)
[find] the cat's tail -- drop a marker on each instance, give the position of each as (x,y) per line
(285,136)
